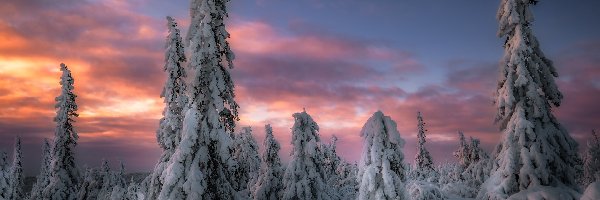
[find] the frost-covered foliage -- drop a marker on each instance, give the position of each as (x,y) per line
(134,191)
(64,176)
(479,169)
(304,177)
(44,177)
(453,183)
(269,183)
(16,173)
(119,186)
(462,153)
(347,185)
(381,166)
(246,154)
(202,165)
(4,176)
(591,161)
(423,190)
(535,149)
(424,168)
(91,185)
(592,192)
(107,181)
(330,162)
(168,134)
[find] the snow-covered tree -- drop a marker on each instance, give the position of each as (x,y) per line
(246,154)
(269,184)
(119,187)
(304,177)
(16,172)
(91,185)
(381,167)
(535,150)
(4,176)
(107,181)
(347,185)
(424,168)
(330,161)
(591,162)
(202,165)
(462,153)
(64,176)
(44,177)
(168,134)
(478,171)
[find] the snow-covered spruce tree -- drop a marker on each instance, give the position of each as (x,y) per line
(591,162)
(304,177)
(480,165)
(535,151)
(424,168)
(107,181)
(64,176)
(202,165)
(169,132)
(91,185)
(381,168)
(44,177)
(246,154)
(269,184)
(4,176)
(330,162)
(462,153)
(347,186)
(119,188)
(16,172)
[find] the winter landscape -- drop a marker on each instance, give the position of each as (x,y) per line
(332,100)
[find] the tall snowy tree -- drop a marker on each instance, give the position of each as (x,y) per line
(331,161)
(535,150)
(4,176)
(304,177)
(108,181)
(347,186)
(64,177)
(119,188)
(43,178)
(246,154)
(591,162)
(424,168)
(16,172)
(381,166)
(91,186)
(462,153)
(269,183)
(202,165)
(169,132)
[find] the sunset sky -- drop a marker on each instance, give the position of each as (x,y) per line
(342,60)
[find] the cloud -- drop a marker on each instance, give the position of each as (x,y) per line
(116,58)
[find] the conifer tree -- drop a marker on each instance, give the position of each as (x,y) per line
(269,183)
(168,134)
(246,154)
(91,185)
(43,179)
(16,172)
(462,153)
(591,162)
(4,176)
(424,168)
(64,177)
(304,177)
(202,165)
(535,149)
(381,166)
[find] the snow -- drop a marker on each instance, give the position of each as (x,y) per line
(592,192)
(381,168)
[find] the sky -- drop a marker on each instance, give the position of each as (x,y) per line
(341,60)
